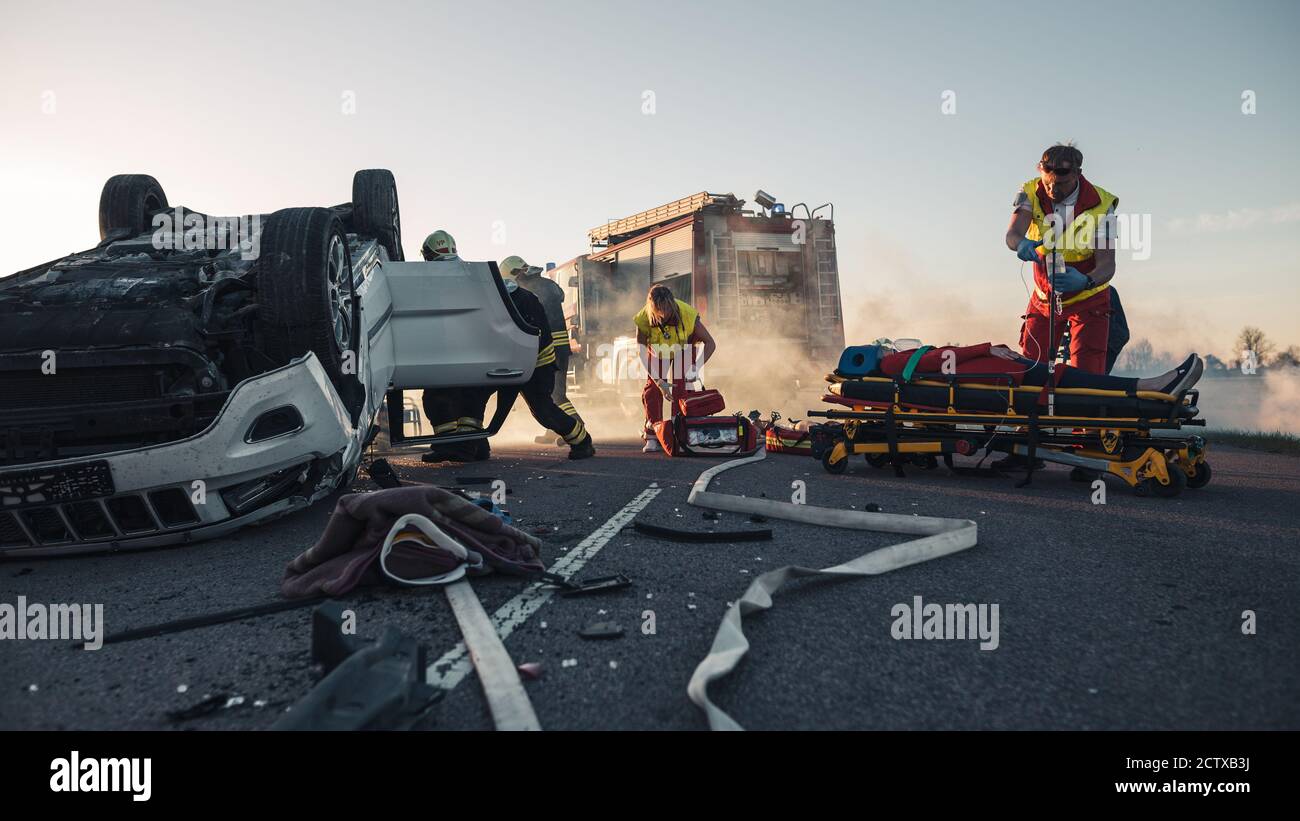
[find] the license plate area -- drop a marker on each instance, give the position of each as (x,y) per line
(45,486)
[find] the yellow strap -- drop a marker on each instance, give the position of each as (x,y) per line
(1079,297)
(575,435)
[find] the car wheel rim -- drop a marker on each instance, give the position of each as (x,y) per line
(340,305)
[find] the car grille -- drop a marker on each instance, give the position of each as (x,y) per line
(25,389)
(124,515)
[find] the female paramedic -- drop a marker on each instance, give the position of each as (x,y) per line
(667,331)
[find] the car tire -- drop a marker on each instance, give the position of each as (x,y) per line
(126,202)
(304,283)
(375,211)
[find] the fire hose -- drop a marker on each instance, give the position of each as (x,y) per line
(938,537)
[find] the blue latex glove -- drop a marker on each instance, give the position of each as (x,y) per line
(1028,249)
(1069,280)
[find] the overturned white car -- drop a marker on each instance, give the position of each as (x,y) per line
(191,375)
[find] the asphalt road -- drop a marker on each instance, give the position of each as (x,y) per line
(1126,615)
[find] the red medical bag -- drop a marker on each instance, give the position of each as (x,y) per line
(707,436)
(700,403)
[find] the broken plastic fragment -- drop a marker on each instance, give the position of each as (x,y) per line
(602,630)
(531,670)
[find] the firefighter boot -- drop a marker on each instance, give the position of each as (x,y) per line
(583,450)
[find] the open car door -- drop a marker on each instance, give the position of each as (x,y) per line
(452,325)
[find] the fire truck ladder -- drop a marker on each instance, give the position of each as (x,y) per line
(726,284)
(828,280)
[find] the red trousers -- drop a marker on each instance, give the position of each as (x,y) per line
(1089,325)
(653,400)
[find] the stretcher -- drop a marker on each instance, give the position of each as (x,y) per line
(1136,436)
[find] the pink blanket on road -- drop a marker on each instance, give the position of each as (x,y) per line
(346,554)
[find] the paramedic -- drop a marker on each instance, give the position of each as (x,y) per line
(1080,289)
(667,331)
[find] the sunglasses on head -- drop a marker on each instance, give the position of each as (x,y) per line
(1058,171)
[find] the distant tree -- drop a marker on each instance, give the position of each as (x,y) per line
(1214,364)
(1138,357)
(1290,358)
(1253,339)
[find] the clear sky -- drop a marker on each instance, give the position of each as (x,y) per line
(531,118)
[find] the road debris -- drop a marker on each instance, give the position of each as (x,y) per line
(602,630)
(726,536)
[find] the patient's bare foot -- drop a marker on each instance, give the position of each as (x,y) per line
(1177,380)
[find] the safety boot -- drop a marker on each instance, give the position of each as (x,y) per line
(583,450)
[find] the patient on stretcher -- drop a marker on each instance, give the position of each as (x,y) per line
(989,359)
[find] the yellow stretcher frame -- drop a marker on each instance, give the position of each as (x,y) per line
(1149,471)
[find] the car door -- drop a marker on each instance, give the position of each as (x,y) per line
(453,325)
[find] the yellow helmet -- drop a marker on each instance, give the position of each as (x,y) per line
(513,266)
(438,246)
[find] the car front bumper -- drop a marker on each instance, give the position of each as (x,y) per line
(197,488)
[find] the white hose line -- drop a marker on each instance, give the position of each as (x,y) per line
(940,537)
(506,698)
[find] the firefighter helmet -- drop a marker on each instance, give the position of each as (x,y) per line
(438,246)
(513,266)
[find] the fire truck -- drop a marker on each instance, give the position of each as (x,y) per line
(765,272)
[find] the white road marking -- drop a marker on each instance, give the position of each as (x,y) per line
(452,667)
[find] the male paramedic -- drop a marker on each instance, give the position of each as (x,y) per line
(1061,205)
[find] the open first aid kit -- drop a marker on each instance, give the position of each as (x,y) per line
(694,431)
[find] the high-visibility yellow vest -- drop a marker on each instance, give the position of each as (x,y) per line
(1078,238)
(672,336)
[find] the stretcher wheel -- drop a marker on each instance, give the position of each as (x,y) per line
(1152,487)
(877,460)
(834,467)
(1200,476)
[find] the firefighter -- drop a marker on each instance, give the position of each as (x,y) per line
(536,391)
(439,247)
(667,331)
(1079,291)
(551,295)
(452,410)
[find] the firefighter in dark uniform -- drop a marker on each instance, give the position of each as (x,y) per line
(470,404)
(552,298)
